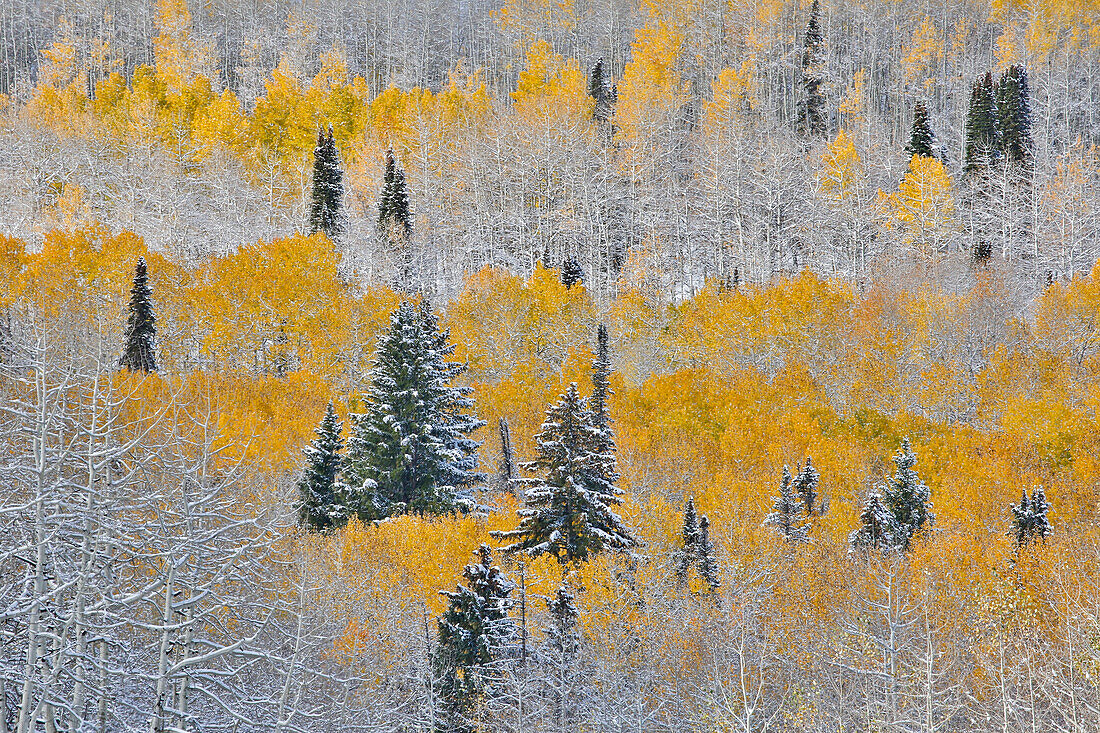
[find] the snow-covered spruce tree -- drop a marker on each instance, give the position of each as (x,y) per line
(805,485)
(1014,115)
(786,515)
(319,503)
(571,272)
(877,526)
(686,556)
(507,459)
(907,499)
(600,91)
(921,140)
(601,394)
(811,113)
(140,342)
(709,570)
(410,450)
(474,632)
(394,217)
(568,513)
(562,636)
(1029,518)
(326,206)
(981,126)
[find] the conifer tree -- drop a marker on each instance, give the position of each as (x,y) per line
(571,272)
(326,209)
(474,632)
(786,512)
(139,347)
(805,485)
(921,140)
(708,564)
(1030,518)
(907,499)
(319,505)
(877,526)
(691,538)
(981,126)
(563,636)
(1014,115)
(410,450)
(811,113)
(568,513)
(601,392)
(394,217)
(507,461)
(600,91)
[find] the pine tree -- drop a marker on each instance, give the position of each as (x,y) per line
(568,513)
(877,526)
(600,91)
(805,485)
(708,564)
(687,555)
(1030,518)
(921,140)
(409,452)
(601,394)
(1014,115)
(139,347)
(326,209)
(811,114)
(786,512)
(907,499)
(474,632)
(562,636)
(319,504)
(394,217)
(507,461)
(981,126)
(571,272)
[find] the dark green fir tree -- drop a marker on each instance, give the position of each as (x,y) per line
(326,207)
(921,140)
(1029,518)
(571,272)
(812,117)
(319,502)
(805,485)
(1014,115)
(599,89)
(907,499)
(568,513)
(394,217)
(410,451)
(981,126)
(786,514)
(140,340)
(876,526)
(709,569)
(685,557)
(474,633)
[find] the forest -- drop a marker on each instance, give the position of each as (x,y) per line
(539,365)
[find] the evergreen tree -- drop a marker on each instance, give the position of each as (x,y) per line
(692,539)
(1014,115)
(805,485)
(787,511)
(921,140)
(571,272)
(394,217)
(600,91)
(563,636)
(877,526)
(708,564)
(981,126)
(907,499)
(568,514)
(139,347)
(1030,518)
(473,633)
(811,114)
(601,393)
(326,208)
(319,504)
(507,461)
(409,452)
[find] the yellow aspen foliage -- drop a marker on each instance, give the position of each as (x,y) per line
(922,210)
(221,124)
(336,102)
(283,121)
(651,91)
(731,95)
(60,100)
(179,58)
(841,172)
(13,253)
(922,53)
(551,89)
